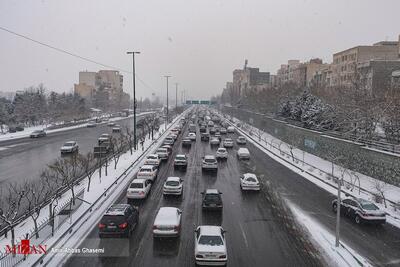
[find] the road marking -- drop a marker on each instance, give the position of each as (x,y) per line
(11,146)
(244,236)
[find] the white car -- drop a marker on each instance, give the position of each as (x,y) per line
(173,135)
(152,159)
(210,246)
(69,147)
(243,153)
(105,137)
(241,140)
(173,186)
(147,172)
(162,153)
(214,141)
(192,136)
(228,142)
(167,222)
(169,140)
(230,129)
(223,130)
(138,189)
(110,124)
(209,163)
(249,181)
(221,153)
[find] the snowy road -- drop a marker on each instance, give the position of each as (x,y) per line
(25,158)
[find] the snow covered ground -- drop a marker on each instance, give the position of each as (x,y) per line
(28,130)
(318,171)
(321,237)
(103,192)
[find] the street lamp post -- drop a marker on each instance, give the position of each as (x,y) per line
(176,97)
(134,98)
(167,76)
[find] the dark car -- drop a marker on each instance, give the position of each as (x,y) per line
(203,129)
(212,130)
(119,220)
(37,134)
(360,210)
(186,142)
(19,128)
(212,200)
(205,137)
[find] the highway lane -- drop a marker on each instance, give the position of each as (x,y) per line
(255,236)
(25,158)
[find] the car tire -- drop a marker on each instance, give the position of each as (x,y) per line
(334,208)
(357,219)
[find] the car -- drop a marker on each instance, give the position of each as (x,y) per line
(223,130)
(203,129)
(249,181)
(230,129)
(241,140)
(192,128)
(227,143)
(162,153)
(173,135)
(214,141)
(205,137)
(91,124)
(147,172)
(210,246)
(169,141)
(212,130)
(210,124)
(221,153)
(212,200)
(192,136)
(152,159)
(111,124)
(105,137)
(186,142)
(243,153)
(116,129)
(119,219)
(180,161)
(69,147)
(209,163)
(360,210)
(168,147)
(167,222)
(138,189)
(173,186)
(37,134)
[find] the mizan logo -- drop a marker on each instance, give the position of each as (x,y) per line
(26,248)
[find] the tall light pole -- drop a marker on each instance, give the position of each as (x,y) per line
(167,76)
(176,97)
(134,98)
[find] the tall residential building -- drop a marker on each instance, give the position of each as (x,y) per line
(249,79)
(286,73)
(344,66)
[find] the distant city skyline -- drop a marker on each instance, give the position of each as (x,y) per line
(198,43)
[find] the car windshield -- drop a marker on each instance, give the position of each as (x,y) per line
(251,179)
(212,197)
(145,170)
(221,150)
(172,183)
(210,160)
(369,206)
(136,185)
(210,240)
(151,157)
(162,150)
(69,144)
(180,158)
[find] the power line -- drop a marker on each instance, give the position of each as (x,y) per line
(73,54)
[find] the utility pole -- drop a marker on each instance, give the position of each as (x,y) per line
(134,98)
(167,76)
(176,97)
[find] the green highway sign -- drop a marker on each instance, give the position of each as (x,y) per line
(199,102)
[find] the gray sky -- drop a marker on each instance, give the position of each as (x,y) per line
(198,42)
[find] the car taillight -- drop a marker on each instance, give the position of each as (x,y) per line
(141,193)
(123,225)
(102,225)
(177,227)
(222,257)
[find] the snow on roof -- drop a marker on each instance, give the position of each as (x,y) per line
(212,191)
(166,216)
(210,230)
(209,157)
(248,175)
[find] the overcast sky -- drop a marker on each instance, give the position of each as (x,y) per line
(198,42)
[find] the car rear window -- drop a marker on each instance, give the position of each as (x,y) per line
(251,179)
(212,197)
(210,240)
(136,185)
(172,183)
(113,219)
(209,160)
(180,158)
